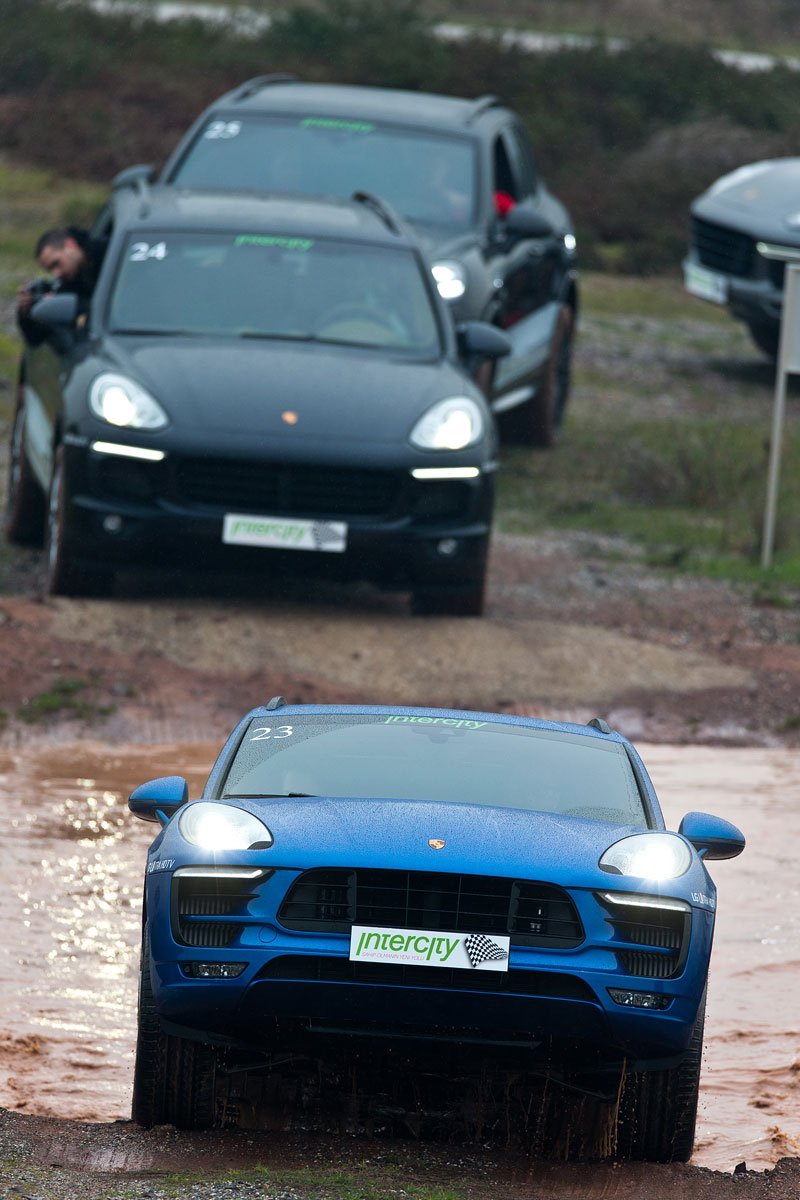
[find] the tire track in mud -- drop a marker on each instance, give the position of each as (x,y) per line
(66,1158)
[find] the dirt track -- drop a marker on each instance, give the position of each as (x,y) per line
(63,1160)
(567,634)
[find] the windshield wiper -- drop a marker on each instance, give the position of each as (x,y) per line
(259,335)
(155,332)
(270,796)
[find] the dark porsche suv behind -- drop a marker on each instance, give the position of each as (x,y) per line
(461,172)
(263,382)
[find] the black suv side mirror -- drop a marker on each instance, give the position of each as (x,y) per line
(523,221)
(55,311)
(479,339)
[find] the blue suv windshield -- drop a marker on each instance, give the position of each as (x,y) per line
(263,285)
(457,760)
(426,177)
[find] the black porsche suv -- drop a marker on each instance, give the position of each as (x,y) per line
(461,172)
(745,228)
(262,382)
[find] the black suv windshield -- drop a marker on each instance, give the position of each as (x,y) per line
(457,760)
(424,176)
(274,286)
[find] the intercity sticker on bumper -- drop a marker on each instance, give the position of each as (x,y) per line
(429,948)
(284,533)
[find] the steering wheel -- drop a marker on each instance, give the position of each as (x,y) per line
(358,322)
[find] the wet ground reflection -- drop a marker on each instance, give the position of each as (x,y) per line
(70,928)
(70,920)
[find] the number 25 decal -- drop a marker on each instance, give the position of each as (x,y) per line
(141,251)
(266,732)
(223,129)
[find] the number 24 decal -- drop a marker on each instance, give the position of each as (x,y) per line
(141,251)
(265,732)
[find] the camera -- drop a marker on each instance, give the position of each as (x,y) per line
(39,287)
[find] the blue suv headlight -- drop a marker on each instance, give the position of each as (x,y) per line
(216,827)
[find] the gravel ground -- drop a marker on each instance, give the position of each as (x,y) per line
(54,1160)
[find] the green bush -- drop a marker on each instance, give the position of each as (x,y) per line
(87,95)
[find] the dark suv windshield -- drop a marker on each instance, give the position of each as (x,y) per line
(265,285)
(451,760)
(425,177)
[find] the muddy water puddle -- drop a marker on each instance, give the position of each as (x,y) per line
(70,927)
(70,922)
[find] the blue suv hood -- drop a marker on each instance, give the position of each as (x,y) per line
(482,840)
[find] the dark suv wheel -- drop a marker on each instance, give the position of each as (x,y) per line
(25,510)
(63,576)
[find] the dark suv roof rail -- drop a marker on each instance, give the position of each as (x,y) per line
(380,208)
(138,178)
(251,86)
(482,104)
(600,724)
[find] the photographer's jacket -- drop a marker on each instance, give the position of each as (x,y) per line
(82,285)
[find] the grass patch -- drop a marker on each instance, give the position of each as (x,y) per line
(63,697)
(686,493)
(664,452)
(665,298)
(30,202)
(768,26)
(368,1181)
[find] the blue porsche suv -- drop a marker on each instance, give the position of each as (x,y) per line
(392,878)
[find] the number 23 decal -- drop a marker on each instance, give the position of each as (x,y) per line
(267,732)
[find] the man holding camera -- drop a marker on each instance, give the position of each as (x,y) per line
(72,258)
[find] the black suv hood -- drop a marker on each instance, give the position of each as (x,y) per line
(244,387)
(438,241)
(762,199)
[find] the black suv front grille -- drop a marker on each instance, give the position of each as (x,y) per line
(333,900)
(293,488)
(722,249)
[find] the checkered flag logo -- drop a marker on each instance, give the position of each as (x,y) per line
(481,948)
(325,534)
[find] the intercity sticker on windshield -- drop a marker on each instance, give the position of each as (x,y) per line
(337,123)
(429,948)
(284,533)
(451,722)
(273,239)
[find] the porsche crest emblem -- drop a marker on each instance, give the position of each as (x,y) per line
(436,843)
(289,417)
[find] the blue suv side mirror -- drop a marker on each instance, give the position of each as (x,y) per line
(712,837)
(159,799)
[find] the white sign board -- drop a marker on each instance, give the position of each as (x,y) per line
(788,364)
(789,352)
